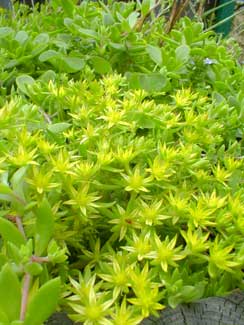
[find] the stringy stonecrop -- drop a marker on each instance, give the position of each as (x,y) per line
(149,193)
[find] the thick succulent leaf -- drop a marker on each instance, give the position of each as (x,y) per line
(10,293)
(44,227)
(10,232)
(43,303)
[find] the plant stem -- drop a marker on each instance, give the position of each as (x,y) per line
(180,10)
(25,292)
(177,10)
(39,259)
(142,19)
(20,226)
(17,220)
(201,8)
(171,17)
(46,116)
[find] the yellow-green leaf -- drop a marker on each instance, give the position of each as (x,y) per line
(44,227)
(10,293)
(43,303)
(9,232)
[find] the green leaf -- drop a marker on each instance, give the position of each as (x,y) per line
(3,317)
(38,49)
(47,55)
(5,31)
(40,43)
(66,64)
(41,38)
(3,213)
(5,189)
(7,194)
(44,227)
(212,270)
(21,37)
(147,81)
(142,120)
(58,127)
(155,54)
(4,178)
(10,293)
(55,254)
(173,301)
(145,7)
(10,232)
(132,19)
(13,252)
(3,260)
(118,46)
(17,181)
(43,303)
(182,53)
(23,82)
(47,76)
(11,64)
(68,7)
(101,65)
(68,22)
(33,268)
(108,19)
(74,28)
(88,33)
(71,64)
(188,293)
(199,52)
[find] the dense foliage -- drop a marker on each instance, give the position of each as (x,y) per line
(121,168)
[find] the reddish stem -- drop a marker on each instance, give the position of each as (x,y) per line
(171,17)
(18,221)
(25,292)
(142,19)
(39,259)
(177,10)
(20,226)
(11,218)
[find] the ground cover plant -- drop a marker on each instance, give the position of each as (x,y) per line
(121,168)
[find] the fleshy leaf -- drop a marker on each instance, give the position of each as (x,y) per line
(58,127)
(21,37)
(43,303)
(149,82)
(23,82)
(183,53)
(10,232)
(71,64)
(17,181)
(10,293)
(44,227)
(101,65)
(47,55)
(155,54)
(67,6)
(5,31)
